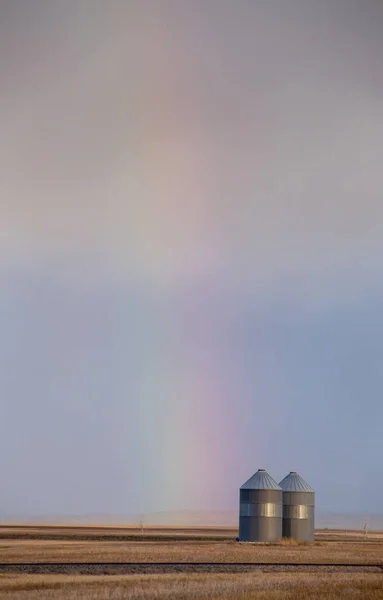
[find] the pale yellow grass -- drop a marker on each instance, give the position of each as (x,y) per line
(118,530)
(256,586)
(72,551)
(347,533)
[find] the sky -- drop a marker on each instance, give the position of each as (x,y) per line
(191,243)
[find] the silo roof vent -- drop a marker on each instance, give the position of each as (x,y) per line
(294,483)
(261,480)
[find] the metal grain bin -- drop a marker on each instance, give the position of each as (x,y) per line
(298,508)
(260,509)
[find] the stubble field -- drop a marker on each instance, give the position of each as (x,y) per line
(23,545)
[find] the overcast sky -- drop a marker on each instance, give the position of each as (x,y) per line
(191,248)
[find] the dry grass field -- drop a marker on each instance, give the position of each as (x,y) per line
(100,547)
(71,551)
(102,531)
(347,534)
(255,586)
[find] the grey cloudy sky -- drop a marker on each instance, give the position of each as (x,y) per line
(190,251)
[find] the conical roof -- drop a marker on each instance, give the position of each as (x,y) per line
(294,483)
(261,480)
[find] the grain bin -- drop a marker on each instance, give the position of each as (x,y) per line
(298,508)
(260,509)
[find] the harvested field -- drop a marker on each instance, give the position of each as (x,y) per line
(347,534)
(156,533)
(108,533)
(54,551)
(293,571)
(255,586)
(147,568)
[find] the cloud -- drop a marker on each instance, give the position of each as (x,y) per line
(223,136)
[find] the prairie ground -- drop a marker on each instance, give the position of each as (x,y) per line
(122,532)
(96,551)
(184,586)
(257,586)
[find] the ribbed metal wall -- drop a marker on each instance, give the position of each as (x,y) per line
(298,508)
(260,509)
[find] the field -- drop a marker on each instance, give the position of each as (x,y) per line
(278,571)
(256,586)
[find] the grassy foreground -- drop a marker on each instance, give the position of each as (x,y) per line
(255,586)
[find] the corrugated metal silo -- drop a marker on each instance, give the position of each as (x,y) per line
(298,508)
(260,509)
